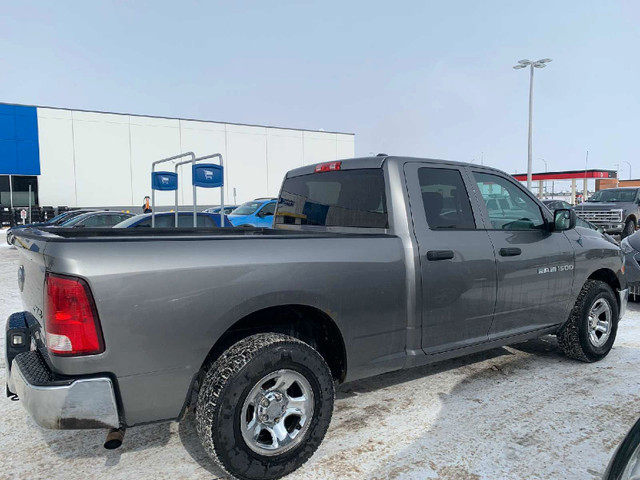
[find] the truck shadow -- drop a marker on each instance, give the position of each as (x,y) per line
(505,414)
(398,377)
(191,443)
(544,347)
(73,444)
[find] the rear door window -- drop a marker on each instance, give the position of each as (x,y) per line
(445,199)
(345,198)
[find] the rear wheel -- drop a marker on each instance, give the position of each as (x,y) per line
(265,406)
(591,329)
(629,228)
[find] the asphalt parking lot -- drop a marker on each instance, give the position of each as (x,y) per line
(510,413)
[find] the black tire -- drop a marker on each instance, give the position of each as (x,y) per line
(228,383)
(573,337)
(629,228)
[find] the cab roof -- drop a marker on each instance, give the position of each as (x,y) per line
(377,162)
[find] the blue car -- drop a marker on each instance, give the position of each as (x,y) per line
(257,213)
(168,220)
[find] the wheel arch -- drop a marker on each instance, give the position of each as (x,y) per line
(609,277)
(304,322)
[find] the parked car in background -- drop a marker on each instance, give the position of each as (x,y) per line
(168,220)
(625,463)
(257,213)
(631,249)
(54,221)
(227,209)
(616,210)
(103,219)
(375,265)
(552,204)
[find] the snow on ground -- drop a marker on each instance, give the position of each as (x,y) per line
(509,413)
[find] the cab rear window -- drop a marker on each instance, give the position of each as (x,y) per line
(345,198)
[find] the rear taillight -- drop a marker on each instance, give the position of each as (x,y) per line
(328,167)
(71,320)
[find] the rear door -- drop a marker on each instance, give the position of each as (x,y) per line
(535,266)
(457,263)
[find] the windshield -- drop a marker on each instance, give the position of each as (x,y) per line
(247,208)
(58,217)
(615,195)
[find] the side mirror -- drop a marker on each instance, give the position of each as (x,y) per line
(564,219)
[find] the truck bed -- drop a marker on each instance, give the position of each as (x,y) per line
(147,234)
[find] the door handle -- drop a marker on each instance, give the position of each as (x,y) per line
(510,252)
(439,255)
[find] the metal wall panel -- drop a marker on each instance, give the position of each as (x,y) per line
(102,159)
(285,150)
(151,139)
(92,159)
(319,147)
(201,138)
(247,160)
(57,182)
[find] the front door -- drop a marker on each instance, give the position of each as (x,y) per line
(535,266)
(457,263)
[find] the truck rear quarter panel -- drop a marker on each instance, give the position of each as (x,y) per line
(163,304)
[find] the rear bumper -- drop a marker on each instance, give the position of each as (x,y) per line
(60,402)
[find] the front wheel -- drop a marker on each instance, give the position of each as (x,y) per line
(265,406)
(591,329)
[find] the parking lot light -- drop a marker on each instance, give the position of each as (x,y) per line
(537,64)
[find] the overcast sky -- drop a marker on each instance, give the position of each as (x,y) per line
(431,79)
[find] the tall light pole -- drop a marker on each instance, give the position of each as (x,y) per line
(629,168)
(537,64)
(545,171)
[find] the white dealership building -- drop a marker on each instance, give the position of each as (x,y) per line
(80,158)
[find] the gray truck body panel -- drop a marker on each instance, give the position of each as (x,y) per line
(164,300)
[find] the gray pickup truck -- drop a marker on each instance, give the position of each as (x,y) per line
(615,210)
(374,265)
